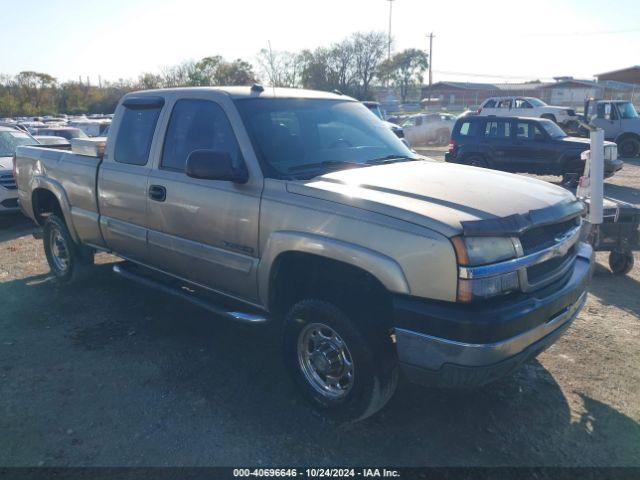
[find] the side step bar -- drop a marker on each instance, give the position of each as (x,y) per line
(183,293)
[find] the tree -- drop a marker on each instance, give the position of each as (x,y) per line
(405,70)
(369,49)
(281,69)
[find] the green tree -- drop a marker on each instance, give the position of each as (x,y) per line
(405,70)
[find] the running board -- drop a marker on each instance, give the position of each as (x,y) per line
(190,296)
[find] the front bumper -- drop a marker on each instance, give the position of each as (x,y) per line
(450,344)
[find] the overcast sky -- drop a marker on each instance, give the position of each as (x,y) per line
(510,39)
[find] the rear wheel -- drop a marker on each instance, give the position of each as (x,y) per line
(347,373)
(629,147)
(67,260)
(477,161)
(622,262)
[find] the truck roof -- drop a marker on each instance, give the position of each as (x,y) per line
(250,92)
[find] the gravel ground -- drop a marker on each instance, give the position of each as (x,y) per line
(111,373)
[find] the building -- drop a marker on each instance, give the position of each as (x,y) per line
(625,75)
(564,91)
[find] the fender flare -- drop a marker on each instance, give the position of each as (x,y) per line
(385,269)
(46,183)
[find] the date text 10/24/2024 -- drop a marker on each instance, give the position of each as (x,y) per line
(317,472)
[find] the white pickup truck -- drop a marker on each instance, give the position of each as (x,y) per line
(304,210)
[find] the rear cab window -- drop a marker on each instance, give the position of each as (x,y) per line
(136,130)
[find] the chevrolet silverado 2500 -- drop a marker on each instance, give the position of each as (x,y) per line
(302,209)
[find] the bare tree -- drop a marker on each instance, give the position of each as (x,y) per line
(281,69)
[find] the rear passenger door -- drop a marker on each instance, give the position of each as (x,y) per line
(122,179)
(535,151)
(497,139)
(205,231)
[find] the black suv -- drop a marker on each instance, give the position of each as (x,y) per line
(523,145)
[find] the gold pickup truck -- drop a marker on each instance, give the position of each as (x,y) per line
(303,210)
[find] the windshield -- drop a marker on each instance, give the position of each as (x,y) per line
(627,110)
(9,141)
(306,137)
(375,109)
(553,129)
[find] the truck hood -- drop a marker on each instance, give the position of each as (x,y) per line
(433,194)
(6,163)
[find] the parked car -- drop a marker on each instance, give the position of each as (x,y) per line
(527,145)
(289,207)
(64,132)
(620,122)
(528,107)
(428,128)
(10,139)
(377,111)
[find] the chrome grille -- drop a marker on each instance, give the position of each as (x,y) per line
(555,266)
(7,181)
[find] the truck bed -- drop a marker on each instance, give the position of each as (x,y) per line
(72,178)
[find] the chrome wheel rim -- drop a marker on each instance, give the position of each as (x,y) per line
(325,360)
(59,250)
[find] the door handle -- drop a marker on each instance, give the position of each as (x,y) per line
(157,193)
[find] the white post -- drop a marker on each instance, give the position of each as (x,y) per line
(597,176)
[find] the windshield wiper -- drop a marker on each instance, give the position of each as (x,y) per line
(326,163)
(390,159)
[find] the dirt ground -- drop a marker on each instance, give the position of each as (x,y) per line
(111,373)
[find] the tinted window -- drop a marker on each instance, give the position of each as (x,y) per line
(497,130)
(135,134)
(490,104)
(198,125)
(504,104)
(528,131)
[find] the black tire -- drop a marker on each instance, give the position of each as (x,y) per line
(476,161)
(374,363)
(67,260)
(621,263)
(549,116)
(629,147)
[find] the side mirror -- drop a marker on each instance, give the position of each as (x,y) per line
(214,165)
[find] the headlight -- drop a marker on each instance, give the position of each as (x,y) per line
(476,251)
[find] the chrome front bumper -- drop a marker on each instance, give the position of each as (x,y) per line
(433,352)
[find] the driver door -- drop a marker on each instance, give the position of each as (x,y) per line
(205,231)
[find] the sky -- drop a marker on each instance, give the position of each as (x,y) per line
(476,40)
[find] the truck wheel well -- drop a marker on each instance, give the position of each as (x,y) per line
(298,275)
(627,135)
(44,203)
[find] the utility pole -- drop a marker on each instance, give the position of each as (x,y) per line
(389,43)
(430,66)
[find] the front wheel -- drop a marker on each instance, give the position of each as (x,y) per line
(348,374)
(67,259)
